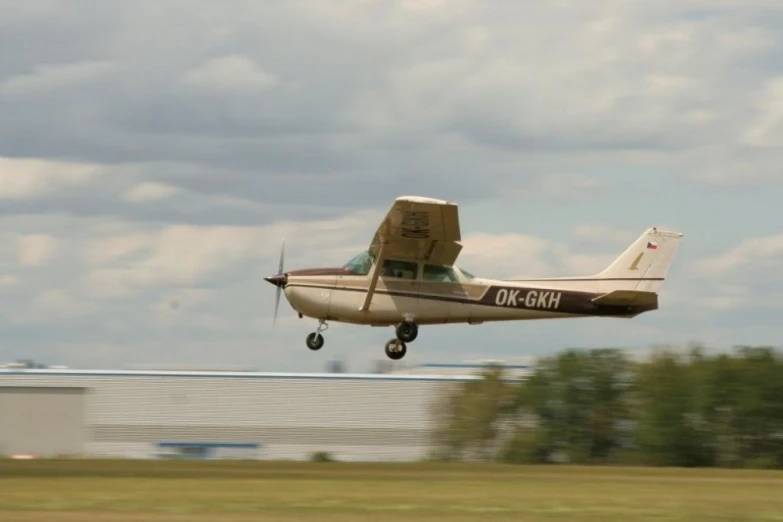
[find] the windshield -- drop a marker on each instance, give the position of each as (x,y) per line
(467,274)
(360,263)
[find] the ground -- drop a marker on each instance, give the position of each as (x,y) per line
(157,491)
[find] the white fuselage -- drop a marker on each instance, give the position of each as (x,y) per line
(340,298)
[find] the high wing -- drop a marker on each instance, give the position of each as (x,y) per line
(419,229)
(415,229)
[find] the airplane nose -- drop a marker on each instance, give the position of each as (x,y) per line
(277,280)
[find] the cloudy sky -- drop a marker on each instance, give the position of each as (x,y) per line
(156,152)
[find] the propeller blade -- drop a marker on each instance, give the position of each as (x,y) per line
(282,258)
(280,266)
(277,305)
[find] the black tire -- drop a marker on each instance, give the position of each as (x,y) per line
(315,341)
(395,349)
(407,331)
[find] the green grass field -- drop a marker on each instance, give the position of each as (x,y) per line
(156,491)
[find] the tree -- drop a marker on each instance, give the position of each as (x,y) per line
(670,429)
(469,421)
(747,392)
(596,406)
(579,402)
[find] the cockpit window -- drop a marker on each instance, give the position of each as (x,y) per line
(401,269)
(439,274)
(360,264)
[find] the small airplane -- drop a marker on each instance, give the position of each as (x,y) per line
(408,278)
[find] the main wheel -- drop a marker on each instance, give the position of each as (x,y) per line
(407,331)
(395,349)
(315,341)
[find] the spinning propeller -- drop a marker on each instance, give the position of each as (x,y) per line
(279,280)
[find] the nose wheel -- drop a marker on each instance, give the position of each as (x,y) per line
(395,349)
(315,341)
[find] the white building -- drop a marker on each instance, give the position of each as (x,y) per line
(213,414)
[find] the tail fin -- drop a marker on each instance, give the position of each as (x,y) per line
(643,265)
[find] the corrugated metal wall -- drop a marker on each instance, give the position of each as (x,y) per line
(45,421)
(291,416)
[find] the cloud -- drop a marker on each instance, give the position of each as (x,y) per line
(100,259)
(585,93)
(603,234)
(230,73)
(508,255)
(742,277)
(185,254)
(47,78)
(29,11)
(27,178)
(167,153)
(55,305)
(518,256)
(466,90)
(570,185)
(173,257)
(766,130)
(750,255)
(150,191)
(34,250)
(114,247)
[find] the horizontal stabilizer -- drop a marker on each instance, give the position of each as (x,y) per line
(627,298)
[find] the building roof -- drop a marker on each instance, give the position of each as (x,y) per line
(429,371)
(230,374)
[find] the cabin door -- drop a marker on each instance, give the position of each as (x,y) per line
(399,281)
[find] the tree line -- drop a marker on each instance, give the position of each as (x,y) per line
(603,407)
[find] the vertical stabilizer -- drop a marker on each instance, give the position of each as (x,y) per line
(644,265)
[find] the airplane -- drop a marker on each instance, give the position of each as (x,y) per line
(408,278)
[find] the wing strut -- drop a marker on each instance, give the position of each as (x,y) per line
(376,272)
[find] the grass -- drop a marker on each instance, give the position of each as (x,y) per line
(157,491)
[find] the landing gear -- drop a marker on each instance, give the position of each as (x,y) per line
(315,340)
(407,331)
(395,349)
